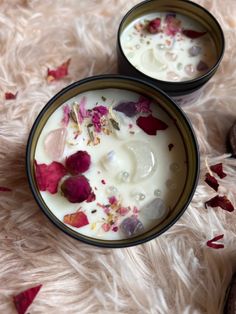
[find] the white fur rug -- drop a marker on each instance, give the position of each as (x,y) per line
(174,274)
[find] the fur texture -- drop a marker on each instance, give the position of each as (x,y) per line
(173,274)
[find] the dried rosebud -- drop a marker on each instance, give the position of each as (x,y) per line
(76,189)
(153,26)
(212,182)
(218,169)
(24,299)
(78,163)
(220,201)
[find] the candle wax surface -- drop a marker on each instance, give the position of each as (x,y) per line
(140,171)
(169,55)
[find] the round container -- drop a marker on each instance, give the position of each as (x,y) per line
(182,91)
(166,104)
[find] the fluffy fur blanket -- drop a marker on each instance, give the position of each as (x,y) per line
(173,274)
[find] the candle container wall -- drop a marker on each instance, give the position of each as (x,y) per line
(178,123)
(183,88)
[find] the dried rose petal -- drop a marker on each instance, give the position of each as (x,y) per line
(106,227)
(76,189)
(212,182)
(82,113)
(173,25)
(59,72)
(213,245)
(170,146)
(24,299)
(193,34)
(78,162)
(143,105)
(218,169)
(102,110)
(115,229)
(4,189)
(91,198)
(66,115)
(123,210)
(9,95)
(150,124)
(153,26)
(48,176)
(78,219)
(220,201)
(128,108)
(96,120)
(112,200)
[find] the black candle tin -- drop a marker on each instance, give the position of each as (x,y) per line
(167,104)
(184,91)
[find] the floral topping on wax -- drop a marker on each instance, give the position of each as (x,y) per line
(24,299)
(9,95)
(212,243)
(66,115)
(82,112)
(5,189)
(212,182)
(153,26)
(77,220)
(220,201)
(78,162)
(173,25)
(76,189)
(150,124)
(58,73)
(48,176)
(131,226)
(131,108)
(193,34)
(218,169)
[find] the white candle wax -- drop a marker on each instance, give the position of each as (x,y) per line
(168,46)
(145,174)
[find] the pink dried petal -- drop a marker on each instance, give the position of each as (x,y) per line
(123,211)
(4,189)
(193,34)
(106,227)
(173,25)
(83,113)
(212,182)
(153,26)
(91,198)
(96,120)
(220,201)
(48,176)
(102,110)
(143,105)
(66,115)
(78,162)
(218,169)
(77,220)
(211,243)
(151,125)
(58,73)
(9,95)
(24,299)
(112,200)
(135,210)
(170,146)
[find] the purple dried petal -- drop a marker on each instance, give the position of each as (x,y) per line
(202,66)
(128,108)
(102,110)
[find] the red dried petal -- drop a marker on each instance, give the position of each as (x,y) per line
(193,34)
(112,200)
(212,182)
(48,176)
(170,146)
(66,115)
(58,73)
(9,95)
(24,299)
(213,245)
(102,110)
(218,169)
(150,124)
(78,219)
(4,189)
(220,201)
(153,26)
(91,198)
